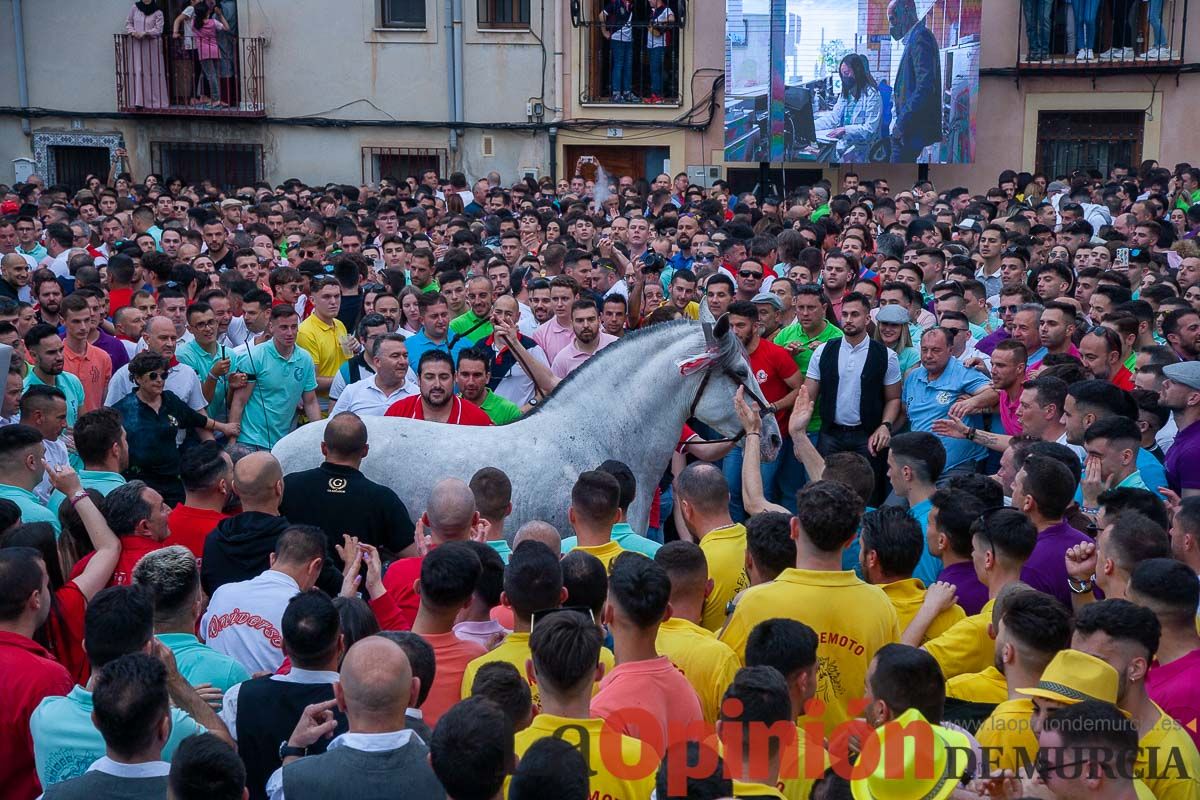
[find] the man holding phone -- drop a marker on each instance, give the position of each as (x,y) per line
(208,358)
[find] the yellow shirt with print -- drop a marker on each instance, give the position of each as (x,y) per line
(966,646)
(1008,732)
(725,551)
(707,662)
(1167,760)
(852,620)
(602,783)
(987,686)
(907,595)
(321,342)
(605,552)
(515,650)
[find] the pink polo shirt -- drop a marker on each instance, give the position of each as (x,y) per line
(552,337)
(571,357)
(1008,413)
(1173,686)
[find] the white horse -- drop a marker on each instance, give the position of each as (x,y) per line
(628,402)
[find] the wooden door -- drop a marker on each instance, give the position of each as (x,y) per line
(617,160)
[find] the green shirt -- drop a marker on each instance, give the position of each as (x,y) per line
(102,482)
(1133,481)
(624,535)
(499,409)
(69,385)
(32,509)
(279,385)
(470,327)
(200,360)
(198,663)
(501,547)
(795,333)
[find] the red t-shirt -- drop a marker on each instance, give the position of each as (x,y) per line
(462,412)
(132,550)
(191,526)
(118,299)
(27,676)
(399,580)
(64,632)
(772,366)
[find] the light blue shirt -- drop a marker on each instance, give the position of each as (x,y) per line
(419,343)
(103,482)
(198,358)
(69,385)
(279,385)
(930,565)
(624,535)
(31,507)
(926,401)
(1150,475)
(501,547)
(66,743)
(198,663)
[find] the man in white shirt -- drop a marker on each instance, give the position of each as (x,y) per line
(374,395)
(44,408)
(182,380)
(245,619)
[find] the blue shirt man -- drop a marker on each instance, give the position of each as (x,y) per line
(933,388)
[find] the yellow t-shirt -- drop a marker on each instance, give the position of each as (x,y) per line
(796,775)
(907,596)
(725,551)
(321,342)
(987,686)
(756,790)
(1167,760)
(966,647)
(708,663)
(605,552)
(637,756)
(846,641)
(1008,730)
(515,650)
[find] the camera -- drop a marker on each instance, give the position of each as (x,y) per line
(653,262)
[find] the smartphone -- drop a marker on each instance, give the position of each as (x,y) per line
(1122,259)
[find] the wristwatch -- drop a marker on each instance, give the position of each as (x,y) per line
(887,425)
(1081,587)
(287,751)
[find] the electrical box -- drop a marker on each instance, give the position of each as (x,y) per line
(703,175)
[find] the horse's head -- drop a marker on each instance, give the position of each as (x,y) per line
(728,369)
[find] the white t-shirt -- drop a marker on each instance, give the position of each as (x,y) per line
(245,620)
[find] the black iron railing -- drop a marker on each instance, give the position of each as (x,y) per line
(637,63)
(161,76)
(1092,36)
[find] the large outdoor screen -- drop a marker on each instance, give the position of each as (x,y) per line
(851,81)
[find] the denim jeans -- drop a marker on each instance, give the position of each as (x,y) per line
(1085,23)
(1037,26)
(656,70)
(732,467)
(1155,13)
(622,67)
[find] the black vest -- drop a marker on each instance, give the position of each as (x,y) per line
(870,407)
(268,711)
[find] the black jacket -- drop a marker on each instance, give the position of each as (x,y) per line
(240,548)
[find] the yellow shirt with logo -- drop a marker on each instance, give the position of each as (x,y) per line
(725,551)
(321,342)
(515,650)
(1167,760)
(852,620)
(708,663)
(605,552)
(987,686)
(1008,731)
(966,646)
(636,756)
(907,595)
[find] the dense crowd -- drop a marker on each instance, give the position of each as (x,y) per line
(984,521)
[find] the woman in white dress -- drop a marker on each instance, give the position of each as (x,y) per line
(854,119)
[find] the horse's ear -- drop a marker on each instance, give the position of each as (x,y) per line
(709,339)
(706,314)
(721,329)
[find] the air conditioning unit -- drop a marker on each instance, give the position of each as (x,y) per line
(703,175)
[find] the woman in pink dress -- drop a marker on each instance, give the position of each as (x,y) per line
(145,65)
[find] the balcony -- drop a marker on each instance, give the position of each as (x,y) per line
(160,77)
(596,45)
(1128,36)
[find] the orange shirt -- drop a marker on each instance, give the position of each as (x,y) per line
(93,369)
(451,655)
(656,688)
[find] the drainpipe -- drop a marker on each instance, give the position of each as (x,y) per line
(19,55)
(451,74)
(458,62)
(560,38)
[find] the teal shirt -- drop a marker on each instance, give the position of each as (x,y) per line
(501,547)
(198,359)
(65,742)
(102,482)
(1133,481)
(624,535)
(279,385)
(930,565)
(198,663)
(31,506)
(70,386)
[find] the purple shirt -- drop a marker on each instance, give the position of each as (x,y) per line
(972,595)
(1046,569)
(1183,460)
(112,345)
(988,343)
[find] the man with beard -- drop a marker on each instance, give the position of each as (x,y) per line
(1182,331)
(437,402)
(48,294)
(476,324)
(589,339)
(1181,394)
(473,376)
(46,350)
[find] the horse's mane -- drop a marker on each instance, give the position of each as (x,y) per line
(607,353)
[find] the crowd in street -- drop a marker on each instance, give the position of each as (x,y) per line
(984,519)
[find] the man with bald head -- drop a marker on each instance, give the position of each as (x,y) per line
(538,531)
(374,688)
(450,516)
(339,499)
(160,337)
(702,503)
(14,277)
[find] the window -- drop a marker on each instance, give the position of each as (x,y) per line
(1071,140)
(647,77)
(73,163)
(504,14)
(400,162)
(226,165)
(402,14)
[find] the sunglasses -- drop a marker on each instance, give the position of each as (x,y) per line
(704,259)
(1044,768)
(1008,309)
(155,375)
(748,273)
